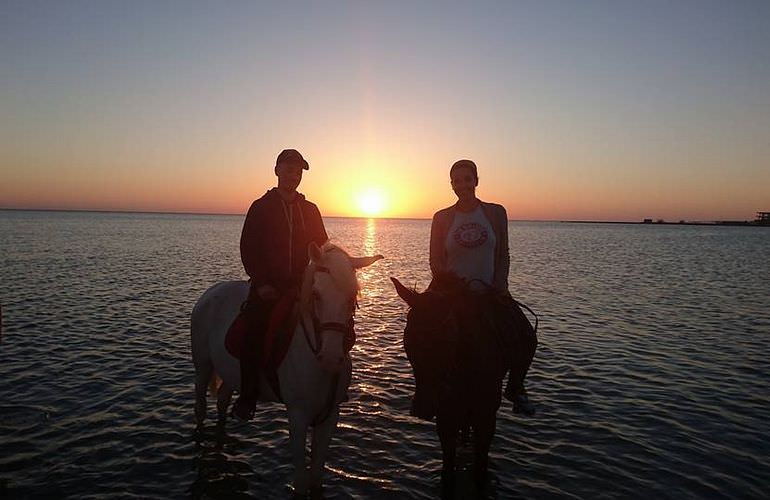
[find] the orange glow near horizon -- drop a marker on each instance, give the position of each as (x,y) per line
(384,183)
(400,193)
(379,183)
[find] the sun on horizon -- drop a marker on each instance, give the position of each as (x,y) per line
(371,201)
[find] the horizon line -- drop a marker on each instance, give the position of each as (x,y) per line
(157,212)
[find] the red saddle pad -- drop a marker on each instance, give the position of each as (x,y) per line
(276,340)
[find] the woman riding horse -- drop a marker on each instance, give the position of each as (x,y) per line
(466,331)
(470,240)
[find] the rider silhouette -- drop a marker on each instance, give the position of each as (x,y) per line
(470,240)
(278,228)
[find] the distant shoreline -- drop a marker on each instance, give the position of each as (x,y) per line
(665,223)
(654,223)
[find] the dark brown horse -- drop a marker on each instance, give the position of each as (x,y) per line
(459,358)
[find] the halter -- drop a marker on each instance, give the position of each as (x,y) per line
(319,327)
(328,326)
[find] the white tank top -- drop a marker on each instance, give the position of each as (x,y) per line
(470,247)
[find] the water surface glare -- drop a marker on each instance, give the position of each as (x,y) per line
(651,378)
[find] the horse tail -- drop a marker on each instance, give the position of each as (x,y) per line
(215,382)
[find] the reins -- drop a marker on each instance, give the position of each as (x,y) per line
(491,289)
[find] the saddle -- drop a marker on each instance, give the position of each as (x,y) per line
(275,341)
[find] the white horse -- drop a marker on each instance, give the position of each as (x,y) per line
(315,373)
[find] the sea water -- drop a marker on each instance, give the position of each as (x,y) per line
(651,376)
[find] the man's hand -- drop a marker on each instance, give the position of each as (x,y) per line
(267,292)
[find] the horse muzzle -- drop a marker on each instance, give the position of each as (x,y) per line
(330,354)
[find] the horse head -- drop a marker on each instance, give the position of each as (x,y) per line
(432,323)
(329,298)
(434,307)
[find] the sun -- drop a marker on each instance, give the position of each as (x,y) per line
(371,201)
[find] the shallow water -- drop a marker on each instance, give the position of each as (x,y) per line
(650,379)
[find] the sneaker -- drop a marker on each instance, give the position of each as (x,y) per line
(522,404)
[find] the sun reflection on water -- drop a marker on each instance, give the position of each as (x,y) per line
(371,232)
(366,275)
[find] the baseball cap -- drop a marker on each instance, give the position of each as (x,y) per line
(292,156)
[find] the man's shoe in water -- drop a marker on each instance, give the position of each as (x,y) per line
(522,404)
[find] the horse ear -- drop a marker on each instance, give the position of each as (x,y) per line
(409,296)
(359,262)
(314,252)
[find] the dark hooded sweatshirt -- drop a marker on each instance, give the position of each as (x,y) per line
(275,239)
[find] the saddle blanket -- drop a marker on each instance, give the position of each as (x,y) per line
(277,338)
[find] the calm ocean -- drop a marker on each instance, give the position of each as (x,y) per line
(651,378)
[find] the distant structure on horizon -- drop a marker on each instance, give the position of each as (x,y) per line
(762,219)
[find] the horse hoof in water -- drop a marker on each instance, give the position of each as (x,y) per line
(481,481)
(447,492)
(447,486)
(316,493)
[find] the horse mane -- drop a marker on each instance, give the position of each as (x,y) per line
(446,283)
(340,268)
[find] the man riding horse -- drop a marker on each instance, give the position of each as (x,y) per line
(274,250)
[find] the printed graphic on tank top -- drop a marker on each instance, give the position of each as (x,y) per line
(470,247)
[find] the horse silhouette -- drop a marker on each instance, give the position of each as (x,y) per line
(315,373)
(459,359)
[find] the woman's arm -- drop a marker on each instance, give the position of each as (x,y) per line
(504,259)
(436,258)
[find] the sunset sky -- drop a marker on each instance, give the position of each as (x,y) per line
(598,110)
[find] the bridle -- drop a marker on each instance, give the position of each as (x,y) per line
(328,326)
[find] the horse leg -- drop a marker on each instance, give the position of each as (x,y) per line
(483,432)
(447,427)
(297,443)
(224,396)
(322,435)
(465,433)
(203,372)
